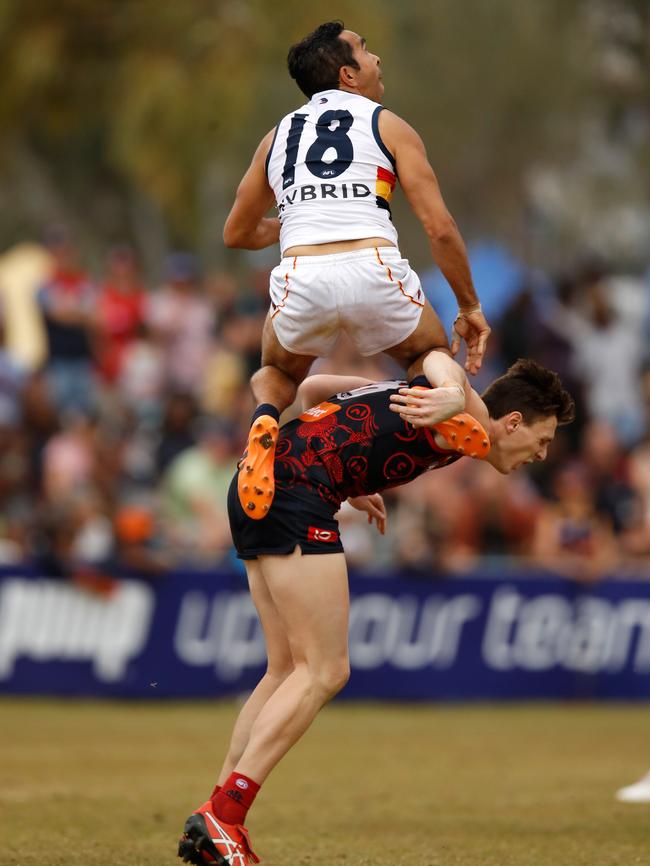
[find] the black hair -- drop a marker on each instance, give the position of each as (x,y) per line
(314,62)
(531,389)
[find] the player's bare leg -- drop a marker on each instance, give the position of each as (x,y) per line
(304,615)
(277,380)
(429,335)
(279,666)
(274,387)
(313,602)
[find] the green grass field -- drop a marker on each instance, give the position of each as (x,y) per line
(110,784)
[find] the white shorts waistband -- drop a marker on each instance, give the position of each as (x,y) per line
(388,253)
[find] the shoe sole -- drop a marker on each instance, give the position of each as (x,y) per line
(196,841)
(465,435)
(256,482)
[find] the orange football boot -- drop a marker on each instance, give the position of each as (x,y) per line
(464,434)
(255,483)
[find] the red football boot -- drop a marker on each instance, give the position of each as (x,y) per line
(207,841)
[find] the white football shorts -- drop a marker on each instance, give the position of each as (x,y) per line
(371,294)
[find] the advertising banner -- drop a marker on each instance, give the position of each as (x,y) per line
(197,635)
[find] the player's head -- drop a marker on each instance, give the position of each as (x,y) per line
(333,58)
(526,406)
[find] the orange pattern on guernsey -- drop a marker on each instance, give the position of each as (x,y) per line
(399,282)
(321,411)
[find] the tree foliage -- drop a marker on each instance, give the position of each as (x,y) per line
(136,118)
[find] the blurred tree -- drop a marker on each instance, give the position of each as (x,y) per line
(492,86)
(137,118)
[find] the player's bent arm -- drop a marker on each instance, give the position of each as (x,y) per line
(317,388)
(451,393)
(443,372)
(247,227)
(418,180)
(475,406)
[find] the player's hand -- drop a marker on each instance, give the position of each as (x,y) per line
(474,329)
(424,407)
(373,505)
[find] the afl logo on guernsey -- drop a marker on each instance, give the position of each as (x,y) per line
(316,534)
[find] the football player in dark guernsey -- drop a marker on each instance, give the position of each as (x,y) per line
(353,439)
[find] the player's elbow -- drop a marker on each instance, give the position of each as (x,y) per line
(441,228)
(237,231)
(308,393)
(234,238)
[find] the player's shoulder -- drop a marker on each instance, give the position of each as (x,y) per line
(392,124)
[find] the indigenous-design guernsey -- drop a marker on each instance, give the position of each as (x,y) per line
(332,175)
(353,444)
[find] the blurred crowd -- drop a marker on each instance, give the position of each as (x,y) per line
(117,449)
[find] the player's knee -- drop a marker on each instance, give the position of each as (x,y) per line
(276,378)
(334,676)
(278,671)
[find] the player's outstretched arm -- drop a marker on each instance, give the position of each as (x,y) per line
(420,186)
(247,227)
(319,387)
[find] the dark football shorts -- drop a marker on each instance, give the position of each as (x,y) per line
(298,518)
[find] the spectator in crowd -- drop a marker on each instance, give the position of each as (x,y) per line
(139,545)
(607,343)
(68,302)
(607,467)
(178,429)
(15,501)
(224,292)
(571,537)
(69,456)
(136,486)
(417,553)
(14,459)
(360,545)
(226,375)
(181,319)
(12,377)
(91,535)
(636,539)
(40,422)
(141,382)
(120,310)
(194,491)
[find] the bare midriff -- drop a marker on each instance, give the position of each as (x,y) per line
(336,247)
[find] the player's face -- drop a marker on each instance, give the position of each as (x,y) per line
(519,443)
(368,77)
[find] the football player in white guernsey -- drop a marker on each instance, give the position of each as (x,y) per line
(330,167)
